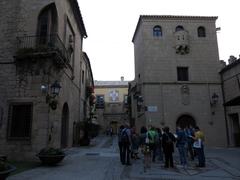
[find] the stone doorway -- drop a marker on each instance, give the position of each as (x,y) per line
(234,120)
(114,125)
(65,125)
(186,121)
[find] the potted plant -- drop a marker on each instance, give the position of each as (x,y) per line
(51,156)
(5,169)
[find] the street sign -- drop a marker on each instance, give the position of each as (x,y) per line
(152,108)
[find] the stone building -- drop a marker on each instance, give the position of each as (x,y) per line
(231,96)
(176,75)
(111,103)
(43,74)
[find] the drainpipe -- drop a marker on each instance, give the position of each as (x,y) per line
(225,110)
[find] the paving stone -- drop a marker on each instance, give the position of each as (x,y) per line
(102,163)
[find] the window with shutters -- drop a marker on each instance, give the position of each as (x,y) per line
(47,24)
(100,101)
(20,121)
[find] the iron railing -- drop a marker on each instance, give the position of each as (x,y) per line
(42,44)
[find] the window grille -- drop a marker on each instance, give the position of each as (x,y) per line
(20,120)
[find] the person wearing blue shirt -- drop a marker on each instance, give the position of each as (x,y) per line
(182,145)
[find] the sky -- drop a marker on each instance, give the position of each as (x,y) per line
(110,25)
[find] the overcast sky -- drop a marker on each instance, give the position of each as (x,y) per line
(110,25)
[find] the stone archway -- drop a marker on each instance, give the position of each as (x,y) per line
(185,121)
(65,126)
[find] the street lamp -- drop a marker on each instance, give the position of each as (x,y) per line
(214,99)
(139,102)
(54,91)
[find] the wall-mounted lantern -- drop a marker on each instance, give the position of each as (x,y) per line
(139,102)
(54,91)
(214,99)
(213,102)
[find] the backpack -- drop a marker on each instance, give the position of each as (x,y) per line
(124,136)
(151,137)
(169,141)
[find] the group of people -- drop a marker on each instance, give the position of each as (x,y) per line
(158,143)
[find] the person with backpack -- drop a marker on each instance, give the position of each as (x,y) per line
(152,136)
(126,142)
(159,152)
(182,145)
(168,140)
(143,134)
(120,144)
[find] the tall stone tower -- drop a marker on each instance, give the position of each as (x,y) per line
(176,75)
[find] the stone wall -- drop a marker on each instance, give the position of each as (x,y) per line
(22,83)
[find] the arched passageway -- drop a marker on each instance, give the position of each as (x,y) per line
(185,121)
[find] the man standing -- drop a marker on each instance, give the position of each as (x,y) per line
(168,140)
(126,142)
(120,144)
(182,145)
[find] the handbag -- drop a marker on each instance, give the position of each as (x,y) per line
(147,140)
(197,143)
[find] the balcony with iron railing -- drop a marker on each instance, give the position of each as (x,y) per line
(39,47)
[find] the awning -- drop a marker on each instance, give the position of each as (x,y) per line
(233,102)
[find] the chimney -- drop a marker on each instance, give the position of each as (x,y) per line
(122,78)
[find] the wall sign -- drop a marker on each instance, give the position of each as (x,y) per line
(152,108)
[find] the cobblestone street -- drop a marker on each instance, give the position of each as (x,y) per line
(101,161)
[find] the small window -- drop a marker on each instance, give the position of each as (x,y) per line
(179,28)
(100,101)
(157,31)
(182,73)
(125,100)
(20,120)
(201,32)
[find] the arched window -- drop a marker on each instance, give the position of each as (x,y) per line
(201,31)
(47,23)
(179,28)
(157,31)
